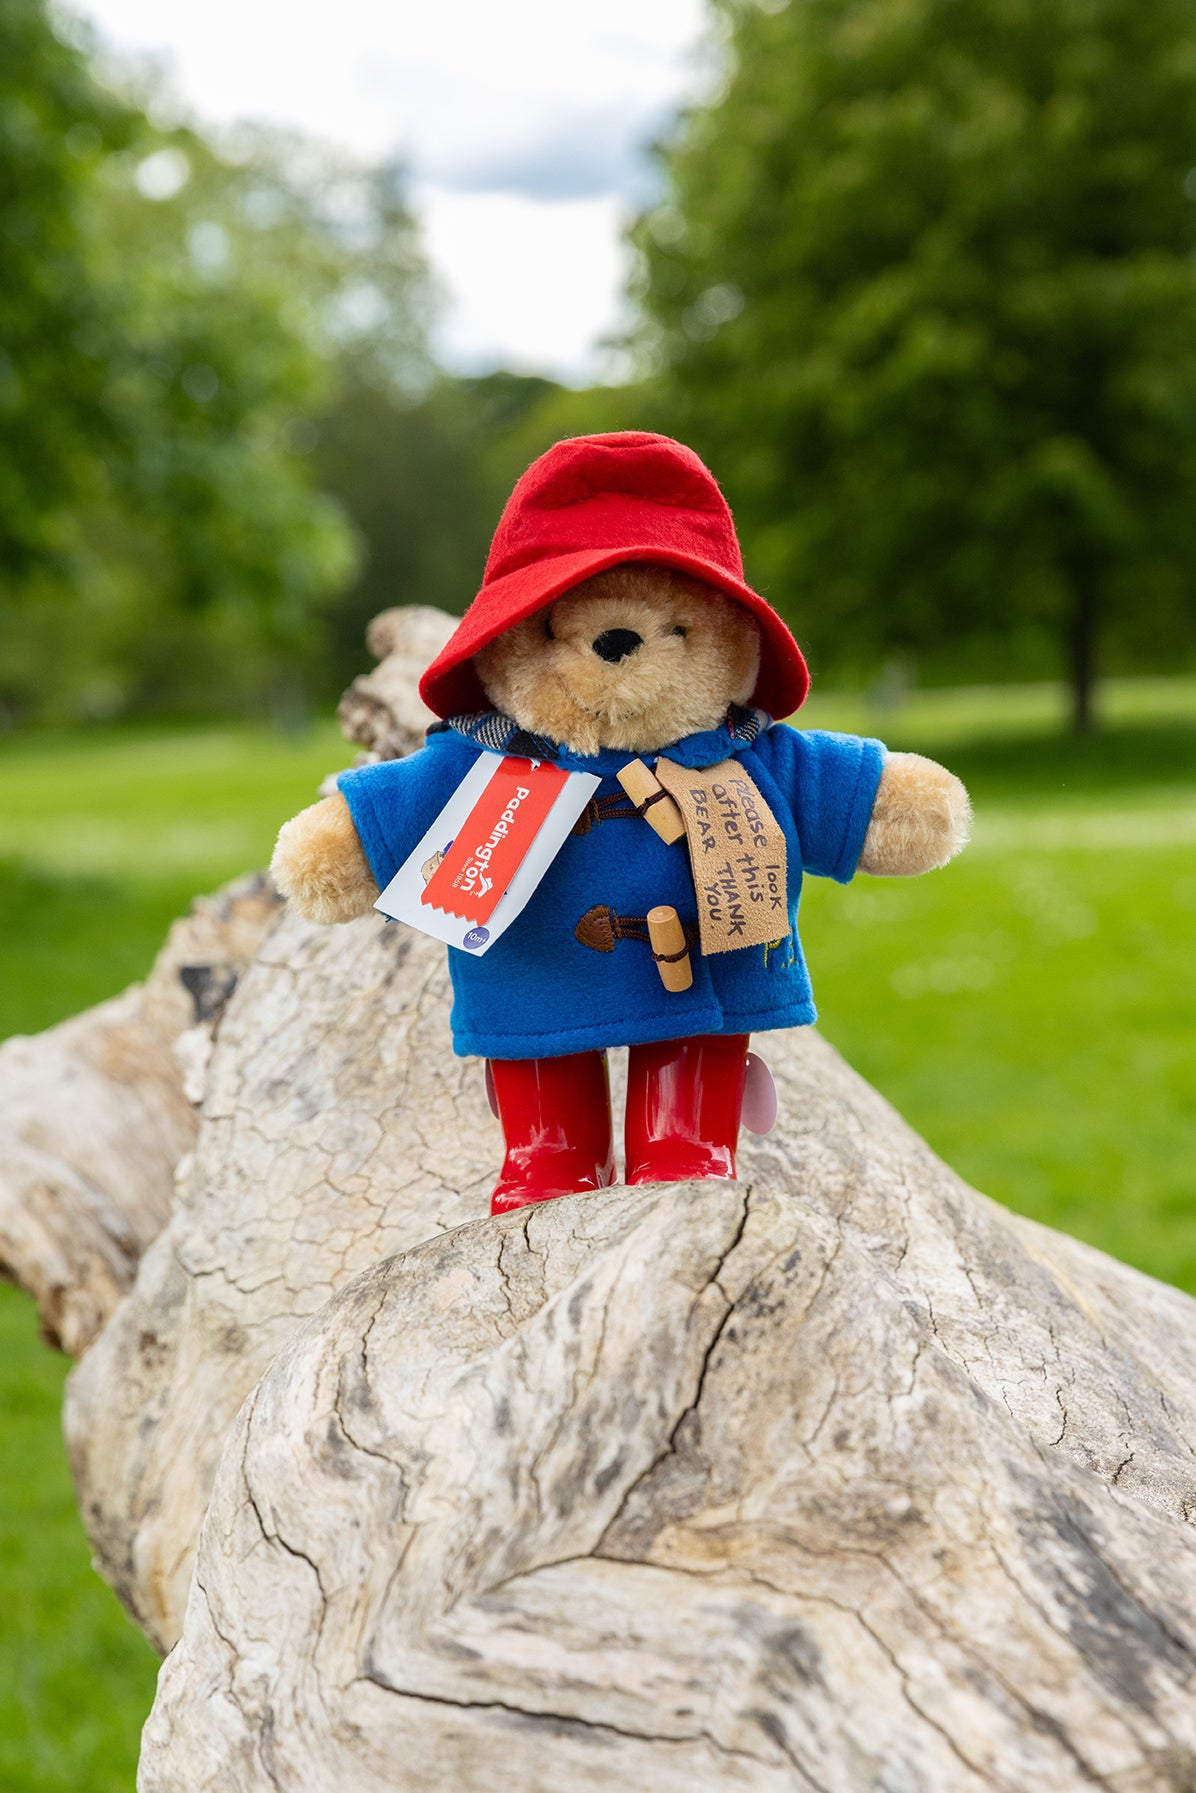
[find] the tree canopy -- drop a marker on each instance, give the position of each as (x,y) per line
(53,319)
(923,286)
(174,318)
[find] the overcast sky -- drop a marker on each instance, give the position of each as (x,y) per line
(522,121)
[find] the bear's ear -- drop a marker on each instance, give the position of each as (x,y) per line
(319,864)
(921,818)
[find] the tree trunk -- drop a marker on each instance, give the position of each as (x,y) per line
(1083,643)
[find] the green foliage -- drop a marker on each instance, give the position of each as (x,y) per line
(178,316)
(924,289)
(53,417)
(423,477)
(227,446)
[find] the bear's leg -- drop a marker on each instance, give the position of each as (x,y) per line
(683,1104)
(555,1115)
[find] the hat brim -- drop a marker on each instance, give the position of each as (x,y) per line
(451,687)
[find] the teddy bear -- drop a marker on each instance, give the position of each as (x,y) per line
(616,651)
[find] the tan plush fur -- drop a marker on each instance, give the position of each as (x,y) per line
(673,684)
(319,865)
(920,819)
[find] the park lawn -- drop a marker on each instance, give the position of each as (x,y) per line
(1031,1010)
(76,1676)
(104,838)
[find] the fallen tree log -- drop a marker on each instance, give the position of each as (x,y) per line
(685,1488)
(336,1128)
(95,1115)
(842,1477)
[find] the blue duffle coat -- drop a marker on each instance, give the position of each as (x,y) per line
(539,992)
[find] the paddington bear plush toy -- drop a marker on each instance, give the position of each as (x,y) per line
(608,768)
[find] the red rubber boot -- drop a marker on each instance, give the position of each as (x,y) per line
(683,1104)
(555,1115)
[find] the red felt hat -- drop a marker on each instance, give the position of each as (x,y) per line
(588,504)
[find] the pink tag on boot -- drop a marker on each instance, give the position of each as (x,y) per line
(759,1111)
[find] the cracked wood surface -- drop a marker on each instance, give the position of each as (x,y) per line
(382,710)
(684,1488)
(336,1128)
(96,1115)
(843,1478)
(339,1128)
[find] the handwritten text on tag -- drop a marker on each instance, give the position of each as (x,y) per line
(737,852)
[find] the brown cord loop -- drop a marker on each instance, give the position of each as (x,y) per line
(671,958)
(600,928)
(605,809)
(656,797)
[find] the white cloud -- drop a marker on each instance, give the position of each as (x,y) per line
(533,283)
(522,123)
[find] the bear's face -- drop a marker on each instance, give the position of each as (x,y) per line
(636,658)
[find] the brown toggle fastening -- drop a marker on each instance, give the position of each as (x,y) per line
(605,809)
(601,929)
(670,948)
(652,801)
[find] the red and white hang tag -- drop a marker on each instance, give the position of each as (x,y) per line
(478,864)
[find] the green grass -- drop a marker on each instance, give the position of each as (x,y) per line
(104,838)
(76,1678)
(1031,1010)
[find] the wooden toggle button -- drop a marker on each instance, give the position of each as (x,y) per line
(669,948)
(652,801)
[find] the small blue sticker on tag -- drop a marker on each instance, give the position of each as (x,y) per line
(476,937)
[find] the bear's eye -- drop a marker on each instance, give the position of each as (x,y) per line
(548,634)
(679,630)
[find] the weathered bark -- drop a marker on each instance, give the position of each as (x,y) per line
(382,711)
(841,1480)
(95,1115)
(931,1389)
(336,1128)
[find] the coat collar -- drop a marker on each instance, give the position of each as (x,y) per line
(502,734)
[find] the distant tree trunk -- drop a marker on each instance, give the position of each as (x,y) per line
(1083,651)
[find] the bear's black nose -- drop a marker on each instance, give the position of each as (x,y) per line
(616,644)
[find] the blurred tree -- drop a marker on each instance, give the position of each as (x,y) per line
(273,276)
(53,120)
(174,316)
(423,476)
(425,479)
(923,285)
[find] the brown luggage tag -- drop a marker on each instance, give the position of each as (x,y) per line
(737,853)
